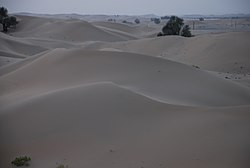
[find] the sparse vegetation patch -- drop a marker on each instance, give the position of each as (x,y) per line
(21,161)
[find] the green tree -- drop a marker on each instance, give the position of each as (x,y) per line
(175,26)
(3,16)
(7,21)
(3,12)
(13,21)
(186,31)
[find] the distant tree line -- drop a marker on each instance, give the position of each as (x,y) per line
(175,26)
(6,20)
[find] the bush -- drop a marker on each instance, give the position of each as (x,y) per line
(111,20)
(21,161)
(160,34)
(62,166)
(186,31)
(137,21)
(201,19)
(157,21)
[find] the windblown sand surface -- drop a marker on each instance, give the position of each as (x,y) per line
(102,95)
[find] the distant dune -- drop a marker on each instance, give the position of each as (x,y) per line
(66,30)
(225,52)
(16,47)
(100,94)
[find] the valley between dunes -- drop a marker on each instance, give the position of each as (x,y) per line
(101,94)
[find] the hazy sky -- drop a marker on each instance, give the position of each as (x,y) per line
(131,7)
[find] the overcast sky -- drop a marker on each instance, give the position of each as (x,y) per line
(131,7)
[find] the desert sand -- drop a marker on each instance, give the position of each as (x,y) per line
(101,94)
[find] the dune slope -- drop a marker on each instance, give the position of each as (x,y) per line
(103,125)
(153,77)
(67,30)
(225,52)
(16,47)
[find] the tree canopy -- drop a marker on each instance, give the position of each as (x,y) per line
(6,20)
(3,12)
(176,26)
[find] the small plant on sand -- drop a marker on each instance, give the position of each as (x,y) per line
(62,166)
(195,66)
(21,161)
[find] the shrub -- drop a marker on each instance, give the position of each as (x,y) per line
(62,166)
(201,19)
(159,34)
(157,21)
(186,31)
(195,66)
(21,161)
(137,21)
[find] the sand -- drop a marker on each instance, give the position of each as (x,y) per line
(101,94)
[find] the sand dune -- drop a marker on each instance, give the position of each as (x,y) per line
(13,49)
(104,125)
(154,77)
(67,30)
(16,47)
(120,27)
(226,52)
(101,95)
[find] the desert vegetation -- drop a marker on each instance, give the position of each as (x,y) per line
(137,21)
(6,20)
(175,26)
(62,166)
(165,17)
(21,161)
(156,20)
